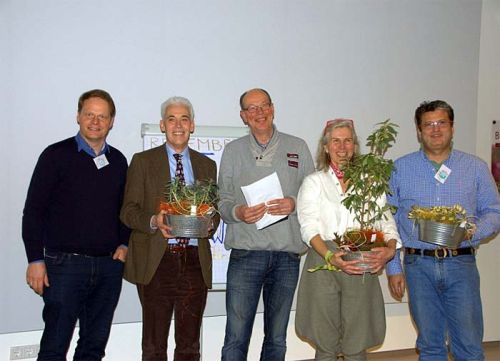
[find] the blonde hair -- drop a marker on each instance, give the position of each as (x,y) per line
(322,157)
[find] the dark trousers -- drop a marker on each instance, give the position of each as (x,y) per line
(176,288)
(81,288)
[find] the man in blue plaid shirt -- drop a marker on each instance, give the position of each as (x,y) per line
(443,284)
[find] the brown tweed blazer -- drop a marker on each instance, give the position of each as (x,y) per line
(146,179)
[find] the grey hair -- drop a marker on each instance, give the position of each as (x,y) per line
(176,100)
(322,157)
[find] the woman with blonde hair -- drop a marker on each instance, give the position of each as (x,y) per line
(340,311)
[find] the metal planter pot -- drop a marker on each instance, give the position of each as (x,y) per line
(441,234)
(358,256)
(186,226)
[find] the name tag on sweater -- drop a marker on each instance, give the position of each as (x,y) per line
(101,161)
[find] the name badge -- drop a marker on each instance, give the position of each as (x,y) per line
(442,174)
(101,161)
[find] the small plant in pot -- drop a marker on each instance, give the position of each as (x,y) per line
(367,178)
(445,226)
(189,208)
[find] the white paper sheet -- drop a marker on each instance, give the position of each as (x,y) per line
(264,190)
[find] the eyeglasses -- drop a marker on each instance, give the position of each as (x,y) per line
(99,117)
(252,109)
(436,123)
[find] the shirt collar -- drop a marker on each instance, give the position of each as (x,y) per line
(83,145)
(435,164)
(264,146)
(171,151)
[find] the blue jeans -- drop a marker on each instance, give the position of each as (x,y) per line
(445,304)
(81,288)
(249,272)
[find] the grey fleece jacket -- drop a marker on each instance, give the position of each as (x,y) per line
(244,162)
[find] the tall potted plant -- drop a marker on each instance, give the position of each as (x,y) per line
(367,178)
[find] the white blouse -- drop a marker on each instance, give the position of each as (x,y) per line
(320,210)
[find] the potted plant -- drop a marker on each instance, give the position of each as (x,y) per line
(367,178)
(189,208)
(445,226)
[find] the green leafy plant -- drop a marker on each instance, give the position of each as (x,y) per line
(196,199)
(367,178)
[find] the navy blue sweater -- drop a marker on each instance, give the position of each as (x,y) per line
(71,205)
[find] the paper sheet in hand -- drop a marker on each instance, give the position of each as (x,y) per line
(264,190)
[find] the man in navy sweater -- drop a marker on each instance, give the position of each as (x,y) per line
(74,240)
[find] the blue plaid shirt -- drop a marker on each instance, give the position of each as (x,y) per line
(470,184)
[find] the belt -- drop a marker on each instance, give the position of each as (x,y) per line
(86,254)
(441,252)
(94,255)
(179,248)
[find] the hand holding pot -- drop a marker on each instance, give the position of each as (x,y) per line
(379,256)
(349,267)
(158,221)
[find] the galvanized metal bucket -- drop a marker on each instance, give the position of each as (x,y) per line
(358,256)
(441,234)
(186,226)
